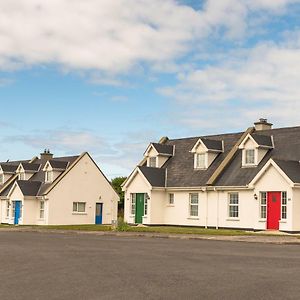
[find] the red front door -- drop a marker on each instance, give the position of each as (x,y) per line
(273,211)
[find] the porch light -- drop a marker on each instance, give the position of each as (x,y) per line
(255,197)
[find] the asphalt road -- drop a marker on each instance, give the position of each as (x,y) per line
(86,266)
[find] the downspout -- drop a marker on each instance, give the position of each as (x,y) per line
(218,198)
(206,218)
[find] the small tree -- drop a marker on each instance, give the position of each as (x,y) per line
(116,183)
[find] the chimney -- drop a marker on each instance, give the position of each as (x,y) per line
(263,124)
(46,155)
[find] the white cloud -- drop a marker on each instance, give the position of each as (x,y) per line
(247,84)
(113,36)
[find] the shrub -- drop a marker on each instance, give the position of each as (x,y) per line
(122,225)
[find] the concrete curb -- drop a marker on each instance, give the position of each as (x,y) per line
(275,239)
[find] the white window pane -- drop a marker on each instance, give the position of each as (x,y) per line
(152,162)
(200,160)
(74,206)
(250,156)
(81,207)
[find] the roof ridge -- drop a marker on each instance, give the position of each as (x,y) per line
(207,136)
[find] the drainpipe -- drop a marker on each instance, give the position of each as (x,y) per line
(206,217)
(218,198)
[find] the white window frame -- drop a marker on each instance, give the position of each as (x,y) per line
(151,159)
(48,176)
(76,205)
(171,199)
(263,200)
(7,208)
(193,205)
(233,205)
(246,162)
(1,178)
(283,213)
(204,161)
(42,209)
(22,176)
(132,203)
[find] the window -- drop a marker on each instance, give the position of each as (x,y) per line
(250,157)
(152,162)
(283,205)
(194,203)
(1,178)
(48,176)
(200,160)
(22,176)
(171,199)
(79,207)
(133,201)
(263,205)
(7,208)
(146,205)
(42,209)
(233,205)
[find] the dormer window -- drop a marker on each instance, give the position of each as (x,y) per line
(250,157)
(200,160)
(254,147)
(152,162)
(157,154)
(205,152)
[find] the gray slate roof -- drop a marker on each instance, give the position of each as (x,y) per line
(34,167)
(155,176)
(8,168)
(36,185)
(57,164)
(163,148)
(262,140)
(29,188)
(212,144)
(286,147)
(180,167)
(291,168)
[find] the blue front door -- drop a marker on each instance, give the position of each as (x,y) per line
(99,210)
(17,209)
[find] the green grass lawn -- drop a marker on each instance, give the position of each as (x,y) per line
(91,227)
(186,230)
(154,229)
(124,227)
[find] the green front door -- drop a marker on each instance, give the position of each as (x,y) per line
(139,208)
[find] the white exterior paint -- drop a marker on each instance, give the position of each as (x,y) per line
(214,204)
(84,182)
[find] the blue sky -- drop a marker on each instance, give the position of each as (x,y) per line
(109,77)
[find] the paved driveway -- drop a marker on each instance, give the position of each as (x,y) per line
(86,266)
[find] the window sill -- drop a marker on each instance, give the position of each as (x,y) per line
(249,166)
(232,219)
(170,205)
(282,221)
(262,220)
(79,213)
(193,218)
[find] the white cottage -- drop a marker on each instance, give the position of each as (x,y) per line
(56,191)
(247,180)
